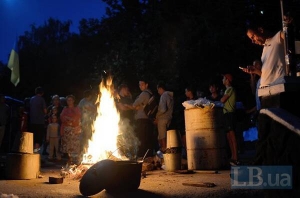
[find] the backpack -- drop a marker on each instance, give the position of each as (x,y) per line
(151,107)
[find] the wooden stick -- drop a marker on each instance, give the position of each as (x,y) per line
(201,184)
(207,171)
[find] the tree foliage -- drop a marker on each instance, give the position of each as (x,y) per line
(180,42)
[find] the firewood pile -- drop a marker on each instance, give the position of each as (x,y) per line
(152,163)
(76,172)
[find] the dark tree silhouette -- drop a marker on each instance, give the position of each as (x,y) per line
(180,42)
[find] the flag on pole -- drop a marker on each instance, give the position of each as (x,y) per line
(13,64)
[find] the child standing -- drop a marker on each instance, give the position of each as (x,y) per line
(53,112)
(53,137)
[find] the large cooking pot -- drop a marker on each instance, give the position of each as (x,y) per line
(127,177)
(97,177)
(114,176)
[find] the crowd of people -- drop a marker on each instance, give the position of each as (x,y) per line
(67,127)
(152,132)
(59,129)
(64,127)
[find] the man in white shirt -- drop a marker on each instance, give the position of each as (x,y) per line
(273,62)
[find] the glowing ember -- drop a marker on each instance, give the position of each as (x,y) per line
(103,143)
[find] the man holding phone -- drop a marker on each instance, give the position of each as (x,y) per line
(273,62)
(255,73)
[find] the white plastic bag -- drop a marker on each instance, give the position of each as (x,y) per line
(189,104)
(199,103)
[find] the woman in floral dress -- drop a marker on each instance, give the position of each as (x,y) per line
(71,130)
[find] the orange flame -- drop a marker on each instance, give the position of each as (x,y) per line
(103,143)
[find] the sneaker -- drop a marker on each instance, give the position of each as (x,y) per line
(234,162)
(160,154)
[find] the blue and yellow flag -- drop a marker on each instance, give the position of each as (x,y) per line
(13,65)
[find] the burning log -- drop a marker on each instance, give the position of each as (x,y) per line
(74,172)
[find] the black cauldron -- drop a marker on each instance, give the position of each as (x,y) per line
(127,177)
(114,176)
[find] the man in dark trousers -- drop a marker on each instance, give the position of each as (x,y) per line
(144,129)
(38,110)
(229,110)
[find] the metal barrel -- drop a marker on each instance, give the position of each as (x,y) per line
(205,138)
(173,139)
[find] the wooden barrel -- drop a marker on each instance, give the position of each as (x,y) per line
(205,138)
(172,161)
(22,166)
(23,143)
(173,139)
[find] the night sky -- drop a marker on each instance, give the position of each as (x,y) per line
(16,16)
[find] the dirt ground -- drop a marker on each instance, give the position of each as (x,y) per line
(156,184)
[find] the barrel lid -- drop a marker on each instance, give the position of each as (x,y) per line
(97,177)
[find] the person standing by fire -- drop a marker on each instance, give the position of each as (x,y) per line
(54,108)
(125,99)
(88,112)
(70,130)
(164,114)
(144,129)
(53,137)
(55,103)
(38,111)
(229,100)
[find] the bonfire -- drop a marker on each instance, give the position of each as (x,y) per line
(112,138)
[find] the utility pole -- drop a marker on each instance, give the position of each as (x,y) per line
(289,41)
